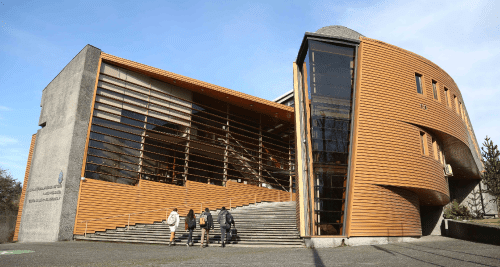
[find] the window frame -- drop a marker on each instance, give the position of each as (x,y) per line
(423,143)
(461,107)
(447,96)
(435,90)
(435,148)
(455,101)
(421,77)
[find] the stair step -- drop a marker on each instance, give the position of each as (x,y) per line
(196,239)
(183,241)
(275,236)
(256,244)
(267,224)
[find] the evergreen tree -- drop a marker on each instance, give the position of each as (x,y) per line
(491,175)
(475,205)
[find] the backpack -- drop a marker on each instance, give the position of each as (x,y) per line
(171,220)
(192,223)
(203,219)
(223,218)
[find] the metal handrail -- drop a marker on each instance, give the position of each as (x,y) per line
(187,205)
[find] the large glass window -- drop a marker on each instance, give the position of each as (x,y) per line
(330,75)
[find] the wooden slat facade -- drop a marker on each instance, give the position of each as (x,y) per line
(25,185)
(391,177)
(246,101)
(105,205)
(100,199)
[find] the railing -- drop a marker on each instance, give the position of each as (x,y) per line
(187,205)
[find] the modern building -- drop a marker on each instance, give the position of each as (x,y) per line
(361,144)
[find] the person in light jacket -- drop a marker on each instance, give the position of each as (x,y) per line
(173,227)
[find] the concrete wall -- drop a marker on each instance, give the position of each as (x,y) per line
(50,204)
(466,192)
(472,232)
(431,218)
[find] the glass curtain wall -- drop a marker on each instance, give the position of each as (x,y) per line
(330,78)
(143,128)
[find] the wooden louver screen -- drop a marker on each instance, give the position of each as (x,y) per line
(147,129)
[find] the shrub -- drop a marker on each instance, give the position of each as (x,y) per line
(456,211)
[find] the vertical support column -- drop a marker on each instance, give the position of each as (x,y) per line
(143,137)
(25,186)
(186,152)
(309,177)
(84,164)
(300,151)
(226,153)
(260,149)
(290,168)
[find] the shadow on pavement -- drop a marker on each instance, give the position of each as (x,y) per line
(392,252)
(461,252)
(407,247)
(384,250)
(317,259)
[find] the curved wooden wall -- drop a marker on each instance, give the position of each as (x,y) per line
(25,185)
(390,176)
(100,199)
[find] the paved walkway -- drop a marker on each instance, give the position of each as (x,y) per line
(428,251)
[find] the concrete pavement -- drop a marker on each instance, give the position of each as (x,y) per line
(427,251)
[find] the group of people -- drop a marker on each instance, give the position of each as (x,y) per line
(206,222)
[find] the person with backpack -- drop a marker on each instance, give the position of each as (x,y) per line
(190,225)
(206,222)
(173,223)
(225,219)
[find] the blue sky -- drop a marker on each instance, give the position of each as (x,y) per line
(245,46)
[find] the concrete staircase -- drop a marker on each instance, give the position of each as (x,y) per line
(268,224)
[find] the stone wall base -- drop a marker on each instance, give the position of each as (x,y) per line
(330,242)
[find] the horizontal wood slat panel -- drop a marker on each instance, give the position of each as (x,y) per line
(391,212)
(25,185)
(100,199)
(391,177)
(261,105)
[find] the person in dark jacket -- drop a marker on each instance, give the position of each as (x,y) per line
(190,225)
(224,226)
(206,228)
